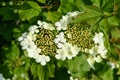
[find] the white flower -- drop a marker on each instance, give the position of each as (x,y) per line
(33,53)
(60,38)
(1,77)
(31,37)
(62,24)
(98,38)
(97,59)
(33,29)
(93,50)
(67,51)
(22,37)
(102,50)
(91,62)
(42,59)
(60,45)
(48,26)
(73,14)
(39,23)
(112,65)
(27,44)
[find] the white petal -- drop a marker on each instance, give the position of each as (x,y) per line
(57,56)
(98,38)
(38,58)
(57,24)
(39,22)
(20,38)
(56,40)
(91,62)
(47,59)
(43,62)
(60,45)
(98,59)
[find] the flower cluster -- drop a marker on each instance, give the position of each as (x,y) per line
(63,41)
(63,23)
(99,51)
(27,41)
(72,40)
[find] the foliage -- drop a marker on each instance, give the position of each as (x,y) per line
(17,15)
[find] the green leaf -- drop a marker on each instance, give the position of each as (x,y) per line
(53,16)
(96,3)
(90,12)
(20,73)
(14,52)
(7,13)
(34,5)
(78,67)
(71,6)
(29,13)
(107,5)
(41,72)
(60,63)
(114,32)
(33,68)
(41,1)
(95,77)
(114,21)
(51,69)
(107,75)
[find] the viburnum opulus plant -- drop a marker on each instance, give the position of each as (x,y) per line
(63,41)
(59,40)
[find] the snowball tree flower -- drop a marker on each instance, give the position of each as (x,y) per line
(91,62)
(28,42)
(60,38)
(33,29)
(97,58)
(67,52)
(63,23)
(102,51)
(98,39)
(48,26)
(42,59)
(99,51)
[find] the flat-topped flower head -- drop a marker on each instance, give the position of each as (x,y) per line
(38,42)
(71,38)
(74,38)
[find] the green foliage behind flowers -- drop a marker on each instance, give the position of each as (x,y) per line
(16,16)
